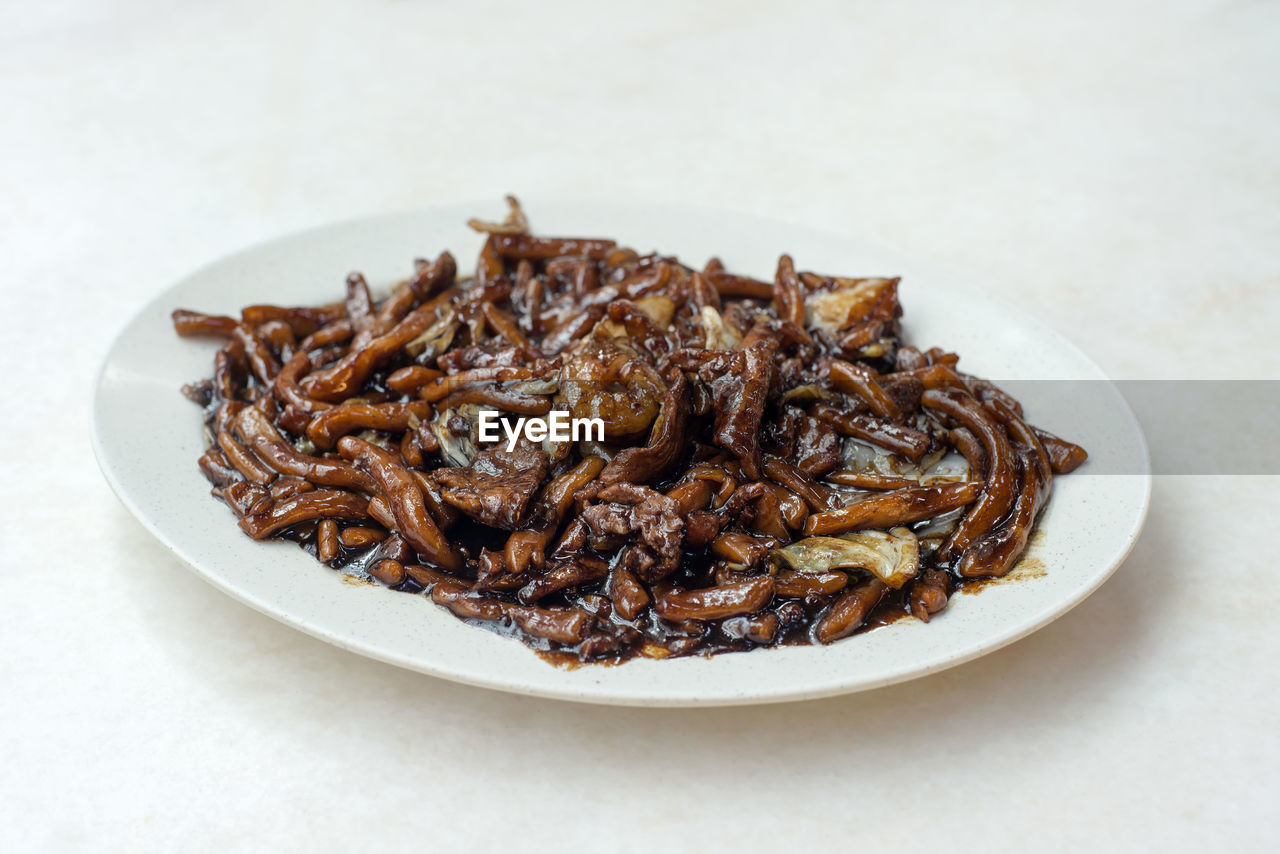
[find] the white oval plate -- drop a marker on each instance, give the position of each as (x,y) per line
(147,438)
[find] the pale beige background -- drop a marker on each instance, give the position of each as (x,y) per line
(1113,167)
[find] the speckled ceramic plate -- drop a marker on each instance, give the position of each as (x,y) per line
(147,438)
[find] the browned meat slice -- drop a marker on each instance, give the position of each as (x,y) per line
(648,521)
(498,485)
(738,383)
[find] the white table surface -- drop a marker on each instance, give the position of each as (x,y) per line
(1113,167)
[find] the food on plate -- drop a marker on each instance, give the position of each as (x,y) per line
(610,454)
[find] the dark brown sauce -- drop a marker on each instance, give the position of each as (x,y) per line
(660,640)
(1028,568)
(892,609)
